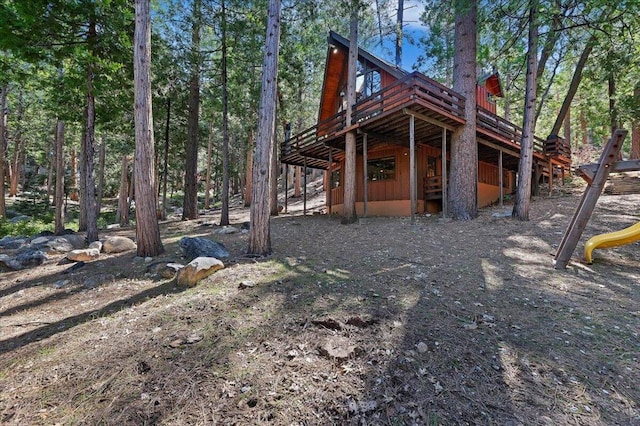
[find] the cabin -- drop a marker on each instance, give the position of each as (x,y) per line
(404,118)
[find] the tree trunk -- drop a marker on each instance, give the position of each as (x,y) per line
(59,195)
(190,207)
(16,163)
(523,195)
(147,230)
(207,184)
(88,185)
(635,130)
(349,214)
(249,172)
(573,86)
(567,127)
(73,181)
(122,212)
(165,162)
(4,90)
(274,177)
(260,228)
(224,211)
(463,199)
(399,33)
(50,182)
(101,160)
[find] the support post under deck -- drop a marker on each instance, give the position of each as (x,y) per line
(444,173)
(304,197)
(412,167)
(364,174)
(330,190)
(500,182)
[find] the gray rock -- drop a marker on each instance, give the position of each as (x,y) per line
(60,283)
(506,213)
(12,243)
(202,247)
(226,230)
(23,260)
(83,255)
(39,240)
(118,244)
(96,245)
(198,269)
(113,226)
(20,218)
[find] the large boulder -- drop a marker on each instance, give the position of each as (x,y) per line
(25,259)
(198,269)
(12,243)
(61,244)
(83,255)
(116,244)
(202,247)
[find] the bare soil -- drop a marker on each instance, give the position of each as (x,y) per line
(376,323)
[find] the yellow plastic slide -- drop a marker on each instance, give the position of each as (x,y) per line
(611,239)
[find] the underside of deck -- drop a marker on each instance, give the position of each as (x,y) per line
(384,117)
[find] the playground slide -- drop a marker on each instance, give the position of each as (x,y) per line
(611,239)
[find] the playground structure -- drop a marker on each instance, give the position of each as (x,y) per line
(596,176)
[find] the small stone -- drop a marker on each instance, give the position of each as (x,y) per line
(148,259)
(422,347)
(117,244)
(96,245)
(246,284)
(226,230)
(198,269)
(194,338)
(113,226)
(60,283)
(83,255)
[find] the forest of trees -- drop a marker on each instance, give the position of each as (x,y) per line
(67,86)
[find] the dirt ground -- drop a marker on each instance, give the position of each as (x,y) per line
(377,323)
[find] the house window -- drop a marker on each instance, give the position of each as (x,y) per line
(368,81)
(381,169)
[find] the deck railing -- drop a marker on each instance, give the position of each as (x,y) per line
(414,86)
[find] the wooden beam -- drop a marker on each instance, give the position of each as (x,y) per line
(445,189)
(500,182)
(364,173)
(286,188)
(393,139)
(304,196)
(498,148)
(412,167)
(617,167)
(427,118)
(588,201)
(330,191)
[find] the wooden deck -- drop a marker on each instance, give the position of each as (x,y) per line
(384,117)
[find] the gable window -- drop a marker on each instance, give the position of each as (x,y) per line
(381,169)
(368,81)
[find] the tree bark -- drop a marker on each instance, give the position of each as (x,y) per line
(101,160)
(207,190)
(224,212)
(73,181)
(14,167)
(147,230)
(567,127)
(349,214)
(274,177)
(4,90)
(88,187)
(399,33)
(523,195)
(190,207)
(50,175)
(635,130)
(165,162)
(122,212)
(463,188)
(260,228)
(59,194)
(573,86)
(249,172)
